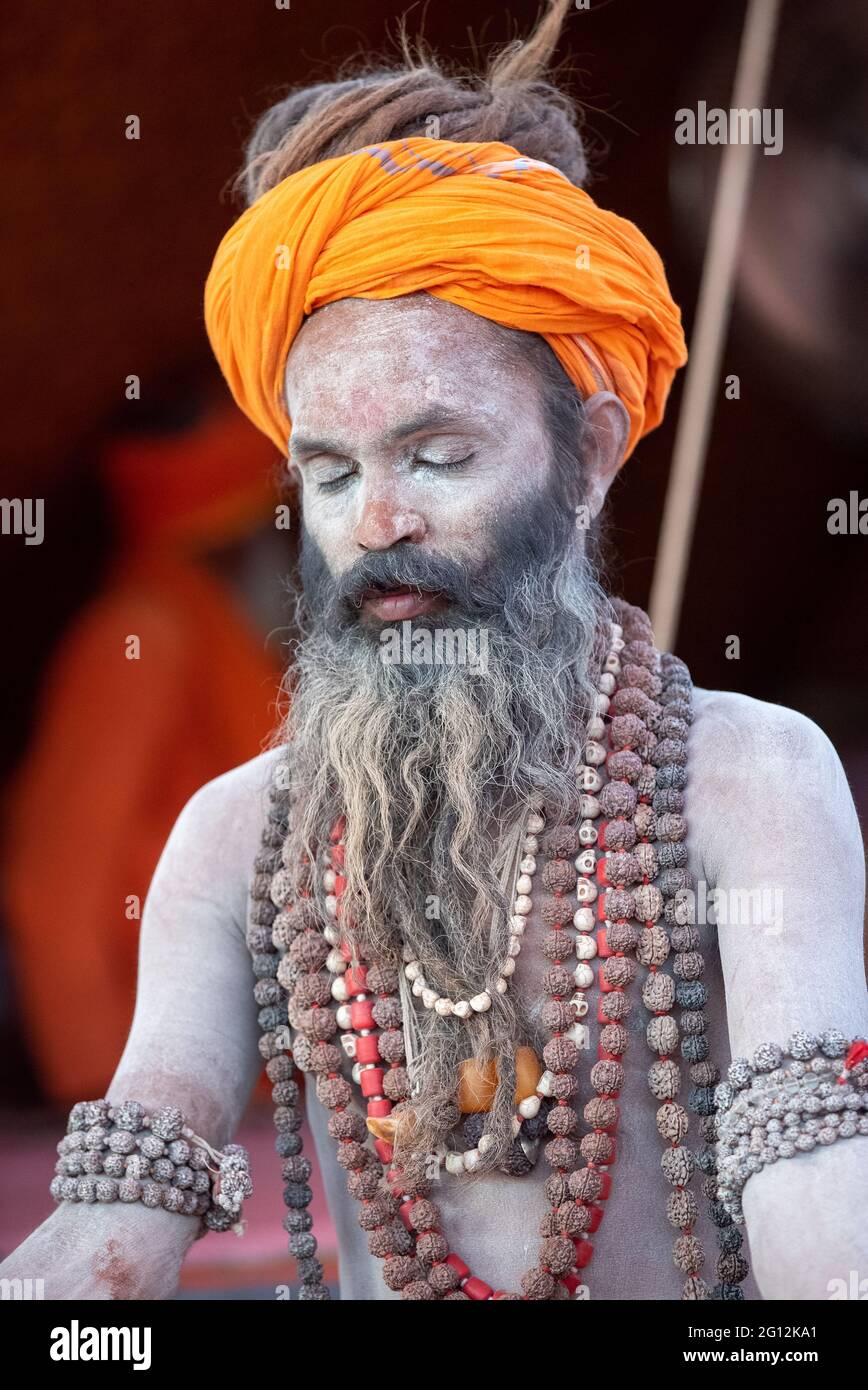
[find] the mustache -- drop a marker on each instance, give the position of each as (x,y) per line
(408,567)
(339,600)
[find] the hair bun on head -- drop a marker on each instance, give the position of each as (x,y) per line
(511,102)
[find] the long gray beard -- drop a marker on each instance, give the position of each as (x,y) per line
(435,768)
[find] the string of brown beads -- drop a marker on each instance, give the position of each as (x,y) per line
(274,924)
(691,993)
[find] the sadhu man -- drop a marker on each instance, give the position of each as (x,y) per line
(472,873)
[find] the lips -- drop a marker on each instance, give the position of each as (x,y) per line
(402,601)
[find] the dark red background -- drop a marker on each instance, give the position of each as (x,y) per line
(106,243)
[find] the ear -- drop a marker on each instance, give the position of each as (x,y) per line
(607,416)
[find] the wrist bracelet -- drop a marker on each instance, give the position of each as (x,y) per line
(785,1101)
(119,1153)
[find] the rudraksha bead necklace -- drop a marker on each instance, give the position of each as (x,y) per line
(406,1233)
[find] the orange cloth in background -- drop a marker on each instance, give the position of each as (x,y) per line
(120,745)
(478,224)
(201,487)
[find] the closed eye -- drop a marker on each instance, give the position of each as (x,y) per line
(334,484)
(445,463)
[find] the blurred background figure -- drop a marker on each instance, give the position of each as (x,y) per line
(166,678)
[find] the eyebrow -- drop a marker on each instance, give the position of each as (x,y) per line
(427,419)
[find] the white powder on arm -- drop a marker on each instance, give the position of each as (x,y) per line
(769,801)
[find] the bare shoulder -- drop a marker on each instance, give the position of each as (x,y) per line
(772,829)
(756,768)
(215,838)
(732,727)
(237,795)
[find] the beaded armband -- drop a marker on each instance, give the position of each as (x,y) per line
(118,1153)
(785,1101)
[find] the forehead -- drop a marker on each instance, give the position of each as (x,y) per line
(372,361)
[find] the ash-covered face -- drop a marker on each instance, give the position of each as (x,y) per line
(423,458)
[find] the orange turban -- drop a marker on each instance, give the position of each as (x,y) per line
(478,224)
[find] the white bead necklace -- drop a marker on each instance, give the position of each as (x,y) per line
(584,918)
(522,905)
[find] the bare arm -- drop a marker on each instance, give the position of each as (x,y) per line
(774,812)
(193,1043)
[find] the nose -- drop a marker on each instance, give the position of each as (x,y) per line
(384,521)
